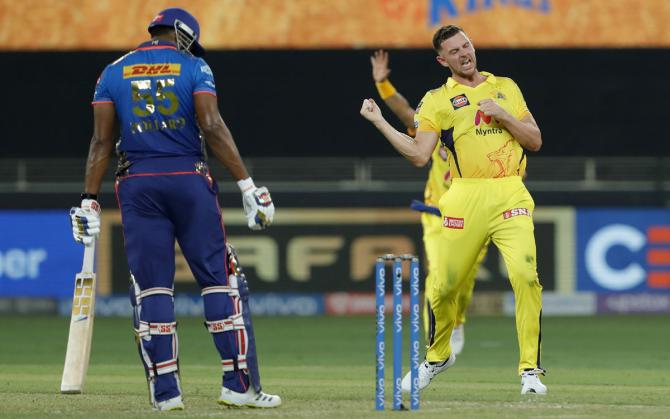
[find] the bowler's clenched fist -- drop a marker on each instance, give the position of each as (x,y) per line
(491,108)
(371,111)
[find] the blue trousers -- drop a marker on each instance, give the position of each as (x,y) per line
(163,199)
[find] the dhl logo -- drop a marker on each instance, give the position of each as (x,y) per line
(138,70)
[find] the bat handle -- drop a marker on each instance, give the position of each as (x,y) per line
(89,257)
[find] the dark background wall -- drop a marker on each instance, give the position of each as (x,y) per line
(303,103)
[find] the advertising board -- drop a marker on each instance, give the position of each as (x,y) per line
(623,250)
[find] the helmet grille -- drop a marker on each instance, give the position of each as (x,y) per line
(185,36)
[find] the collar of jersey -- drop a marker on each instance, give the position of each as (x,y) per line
(155,45)
(490,78)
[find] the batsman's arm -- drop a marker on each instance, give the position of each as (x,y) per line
(218,136)
(417,150)
(102,143)
(258,206)
(105,129)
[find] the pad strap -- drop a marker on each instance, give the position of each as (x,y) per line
(234,322)
(147,329)
(165,367)
(234,364)
(154,291)
(224,289)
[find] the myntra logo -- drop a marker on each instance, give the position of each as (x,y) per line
(482,117)
(151,70)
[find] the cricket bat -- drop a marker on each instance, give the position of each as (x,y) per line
(81,326)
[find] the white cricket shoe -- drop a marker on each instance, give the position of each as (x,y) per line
(249,399)
(174,403)
(457,339)
(427,372)
(531,384)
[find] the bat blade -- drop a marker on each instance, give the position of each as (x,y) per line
(81,330)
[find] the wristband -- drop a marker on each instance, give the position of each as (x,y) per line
(385,89)
(89,196)
(246,184)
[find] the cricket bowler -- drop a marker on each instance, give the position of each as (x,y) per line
(438,182)
(485,124)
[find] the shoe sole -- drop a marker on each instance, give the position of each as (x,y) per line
(407,391)
(240,406)
(533,392)
(170,410)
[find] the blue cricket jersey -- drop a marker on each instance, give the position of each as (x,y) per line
(152,91)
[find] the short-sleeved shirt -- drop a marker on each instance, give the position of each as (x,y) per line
(152,91)
(439,177)
(478,146)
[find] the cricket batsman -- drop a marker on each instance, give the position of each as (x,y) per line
(161,100)
(485,124)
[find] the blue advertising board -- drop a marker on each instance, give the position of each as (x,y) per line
(38,257)
(623,250)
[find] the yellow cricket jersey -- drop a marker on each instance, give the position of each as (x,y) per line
(439,177)
(478,146)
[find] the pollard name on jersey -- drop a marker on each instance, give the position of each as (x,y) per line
(152,91)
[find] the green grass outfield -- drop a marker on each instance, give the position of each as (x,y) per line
(323,367)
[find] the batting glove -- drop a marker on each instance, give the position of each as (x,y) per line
(258,206)
(85,221)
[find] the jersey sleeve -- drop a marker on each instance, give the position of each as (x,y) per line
(204,79)
(520,107)
(102,93)
(425,118)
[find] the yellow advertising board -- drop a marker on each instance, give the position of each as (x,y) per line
(311,24)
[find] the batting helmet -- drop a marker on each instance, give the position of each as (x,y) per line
(185,26)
